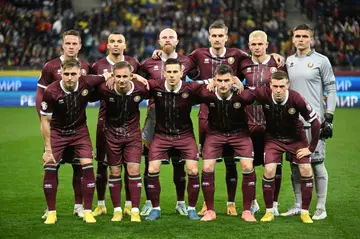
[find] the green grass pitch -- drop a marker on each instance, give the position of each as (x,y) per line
(22,201)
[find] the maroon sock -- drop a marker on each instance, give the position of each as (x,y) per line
(268,185)
(115,185)
(255,179)
(307,185)
(135,189)
(193,189)
(145,179)
(126,181)
(154,188)
(50,185)
(248,188)
(88,185)
(208,188)
(278,178)
(231,180)
(101,181)
(77,174)
(179,178)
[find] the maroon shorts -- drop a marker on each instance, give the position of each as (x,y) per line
(162,145)
(100,140)
(257,133)
(241,144)
(123,149)
(78,140)
(274,150)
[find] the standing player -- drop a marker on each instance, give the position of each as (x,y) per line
(311,73)
(154,69)
(71,44)
(257,70)
(227,126)
(284,133)
(116,46)
(123,136)
(63,122)
(173,130)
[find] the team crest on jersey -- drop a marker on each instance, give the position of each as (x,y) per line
(85,92)
(273,69)
(156,68)
(83,72)
(291,64)
(44,105)
(292,111)
(308,107)
(207,60)
(231,60)
(310,65)
(237,105)
(137,98)
(185,95)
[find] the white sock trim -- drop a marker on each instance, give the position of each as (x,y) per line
(134,209)
(128,203)
(101,203)
(269,210)
(157,208)
(191,208)
(117,209)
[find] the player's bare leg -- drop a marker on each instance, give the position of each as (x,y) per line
(208,188)
(248,188)
(154,189)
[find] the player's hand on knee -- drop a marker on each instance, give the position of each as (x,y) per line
(326,130)
(48,157)
(303,153)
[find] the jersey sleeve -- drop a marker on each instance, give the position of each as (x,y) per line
(135,65)
(142,70)
(305,109)
(46,76)
(329,84)
(46,104)
(248,96)
(94,80)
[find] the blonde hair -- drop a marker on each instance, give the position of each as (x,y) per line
(258,34)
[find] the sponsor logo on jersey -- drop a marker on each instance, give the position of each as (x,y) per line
(139,185)
(111,99)
(105,71)
(61,101)
(151,186)
(196,186)
(248,69)
(310,65)
(137,98)
(159,94)
(273,69)
(156,68)
(267,186)
(212,105)
(58,72)
(44,105)
(206,184)
(237,105)
(251,184)
(83,72)
(90,185)
(267,106)
(185,95)
(291,64)
(47,186)
(292,111)
(308,107)
(231,60)
(206,60)
(85,92)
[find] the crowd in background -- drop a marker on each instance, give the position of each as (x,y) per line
(30,33)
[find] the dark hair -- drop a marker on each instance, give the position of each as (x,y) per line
(71,33)
(70,63)
(279,75)
(122,65)
(219,24)
(223,69)
(304,27)
(172,61)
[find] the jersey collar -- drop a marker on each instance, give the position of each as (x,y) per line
(113,63)
(213,55)
(284,102)
(173,55)
(176,90)
(219,97)
(311,52)
(129,92)
(263,63)
(66,91)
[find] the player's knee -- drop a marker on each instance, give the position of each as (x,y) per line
(246,166)
(86,161)
(305,170)
(209,166)
(270,170)
(154,167)
(115,171)
(133,169)
(193,171)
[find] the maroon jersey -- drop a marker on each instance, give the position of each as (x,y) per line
(68,108)
(105,65)
(226,116)
(207,63)
(173,107)
(52,71)
(258,74)
(282,120)
(122,118)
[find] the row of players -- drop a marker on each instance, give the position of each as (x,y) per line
(256,69)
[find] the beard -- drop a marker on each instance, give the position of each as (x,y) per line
(168,49)
(116,54)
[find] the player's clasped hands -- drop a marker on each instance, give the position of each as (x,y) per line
(303,153)
(48,157)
